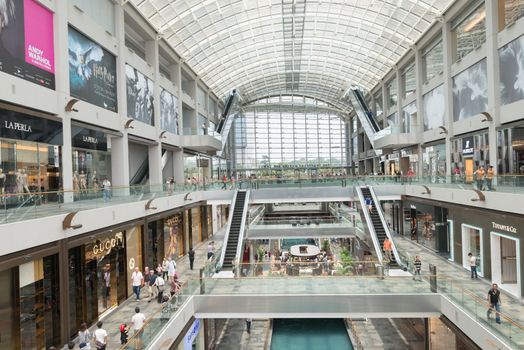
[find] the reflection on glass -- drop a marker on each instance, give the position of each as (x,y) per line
(391,90)
(469,31)
(432,60)
(513,10)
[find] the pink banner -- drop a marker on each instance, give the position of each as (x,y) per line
(39,37)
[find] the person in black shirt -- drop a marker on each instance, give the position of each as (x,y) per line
(494,302)
(191,255)
(152,285)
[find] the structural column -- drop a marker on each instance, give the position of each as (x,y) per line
(178,166)
(155,151)
(120,145)
(447,51)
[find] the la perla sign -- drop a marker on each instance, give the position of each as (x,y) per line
(17,126)
(89,139)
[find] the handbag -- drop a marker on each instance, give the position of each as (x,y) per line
(82,345)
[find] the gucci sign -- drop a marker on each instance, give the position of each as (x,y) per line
(104,247)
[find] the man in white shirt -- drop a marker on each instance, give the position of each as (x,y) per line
(100,336)
(473,265)
(171,269)
(137,280)
(137,322)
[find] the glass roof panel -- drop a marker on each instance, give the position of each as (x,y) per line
(307,47)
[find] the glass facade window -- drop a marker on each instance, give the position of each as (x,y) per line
(432,60)
(90,168)
(201,125)
(513,10)
(201,97)
(278,137)
(467,154)
(408,79)
(510,149)
(469,30)
(434,161)
(391,90)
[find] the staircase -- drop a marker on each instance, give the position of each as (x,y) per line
(234,231)
(379,228)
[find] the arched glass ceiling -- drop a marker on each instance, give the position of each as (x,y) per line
(310,47)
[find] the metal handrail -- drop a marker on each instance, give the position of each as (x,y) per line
(371,228)
(228,228)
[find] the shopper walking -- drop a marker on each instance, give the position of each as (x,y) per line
(417,264)
(151,284)
(388,247)
(191,255)
(137,322)
(248,325)
(106,189)
(479,178)
(369,204)
(84,337)
(224,182)
(145,285)
(137,280)
(490,174)
(164,268)
(171,268)
(100,336)
(494,302)
(473,265)
(210,249)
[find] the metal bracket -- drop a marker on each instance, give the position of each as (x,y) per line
(488,117)
(163,135)
(148,205)
(69,106)
(428,191)
(128,125)
(187,198)
(444,130)
(481,196)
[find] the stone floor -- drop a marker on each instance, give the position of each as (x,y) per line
(235,336)
(390,334)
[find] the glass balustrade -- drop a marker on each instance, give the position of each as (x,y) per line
(511,330)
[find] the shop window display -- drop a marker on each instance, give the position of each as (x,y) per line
(472,243)
(174,229)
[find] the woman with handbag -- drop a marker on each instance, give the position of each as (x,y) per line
(84,337)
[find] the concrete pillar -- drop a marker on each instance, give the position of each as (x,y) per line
(62,89)
(120,145)
(214,213)
(493,75)
(176,75)
(178,166)
(447,51)
(419,128)
(155,151)
(398,109)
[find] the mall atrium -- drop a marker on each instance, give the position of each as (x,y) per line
(262,174)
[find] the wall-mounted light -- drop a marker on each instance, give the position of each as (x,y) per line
(68,221)
(428,191)
(481,196)
(128,125)
(487,117)
(69,106)
(148,205)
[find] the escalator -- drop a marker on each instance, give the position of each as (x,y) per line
(235,232)
(378,224)
(367,118)
(228,116)
(141,176)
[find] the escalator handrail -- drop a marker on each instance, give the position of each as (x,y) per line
(380,212)
(228,228)
(368,113)
(371,228)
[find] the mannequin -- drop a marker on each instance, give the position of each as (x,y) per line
(94,180)
(83,182)
(2,182)
(75,182)
(25,187)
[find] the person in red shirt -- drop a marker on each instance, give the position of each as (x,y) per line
(410,174)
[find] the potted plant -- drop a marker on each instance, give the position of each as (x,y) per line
(345,265)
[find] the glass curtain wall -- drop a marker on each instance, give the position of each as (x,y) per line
(512,10)
(469,29)
(291,140)
(432,60)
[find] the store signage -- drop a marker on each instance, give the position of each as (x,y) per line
(89,139)
(173,221)
(104,247)
(467,146)
(412,206)
(504,227)
(191,335)
(20,126)
(26,44)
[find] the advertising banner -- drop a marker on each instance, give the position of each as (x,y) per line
(26,41)
(92,71)
(434,108)
(140,96)
(512,71)
(470,91)
(168,112)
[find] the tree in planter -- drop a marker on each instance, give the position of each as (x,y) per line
(326,246)
(260,257)
(345,265)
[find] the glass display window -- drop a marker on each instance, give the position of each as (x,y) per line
(472,243)
(174,234)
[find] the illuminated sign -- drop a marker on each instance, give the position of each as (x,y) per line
(104,247)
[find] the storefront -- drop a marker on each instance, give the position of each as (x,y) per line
(30,153)
(510,148)
(193,338)
(467,154)
(428,225)
(99,266)
(30,316)
(175,234)
(91,159)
